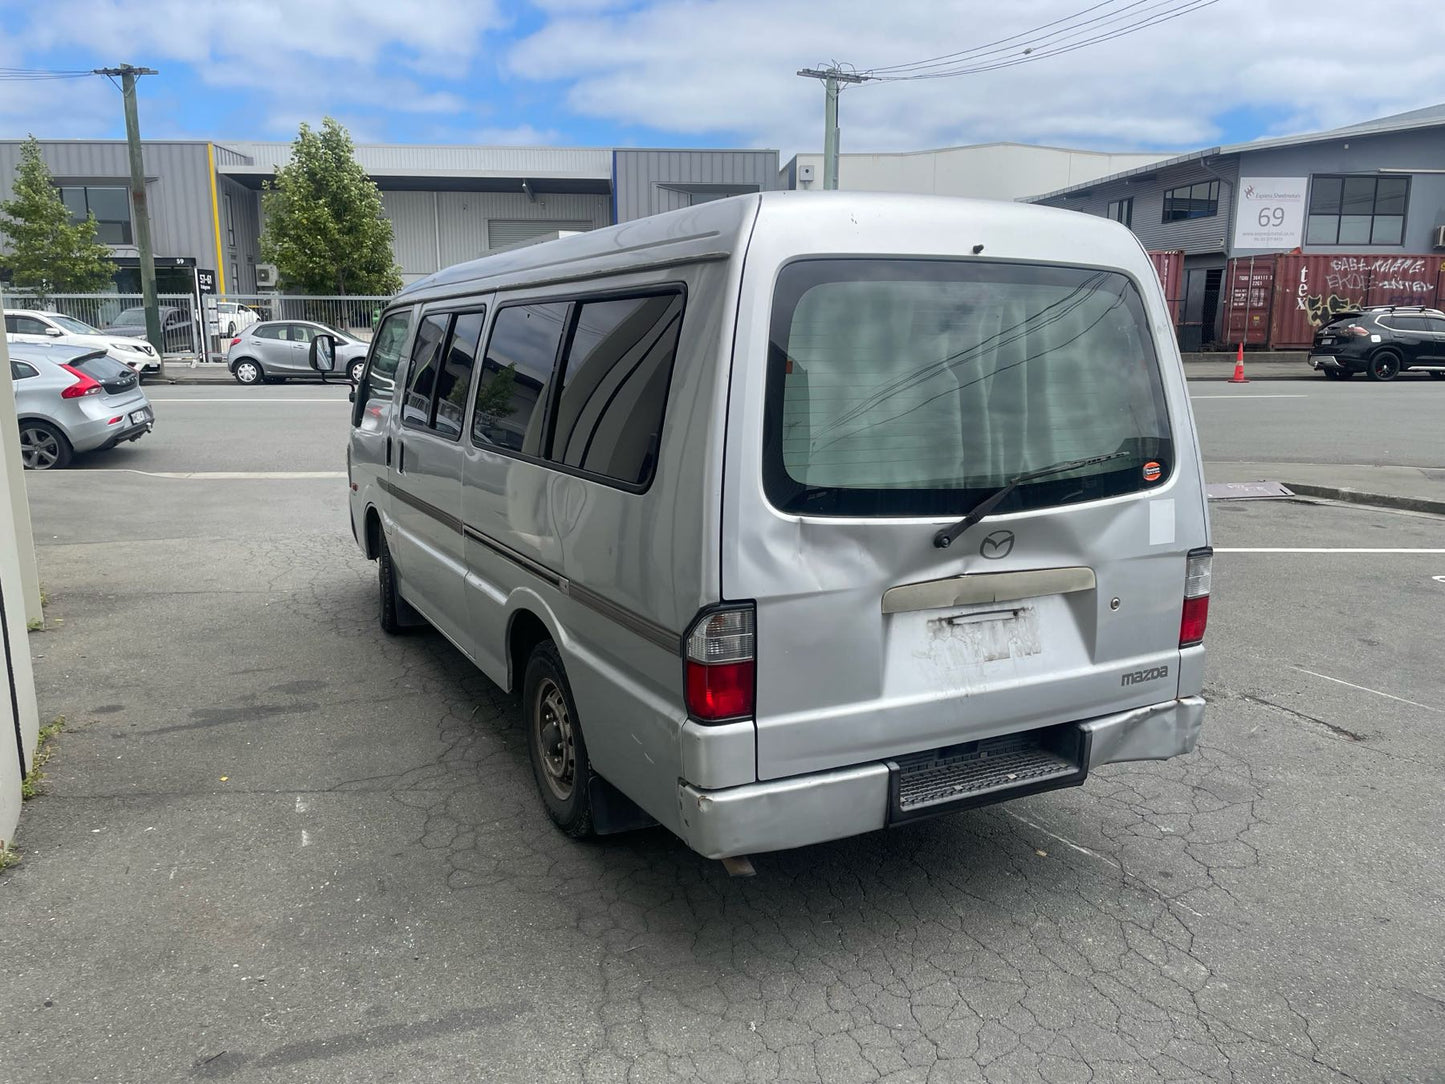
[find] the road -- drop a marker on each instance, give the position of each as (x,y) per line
(280,846)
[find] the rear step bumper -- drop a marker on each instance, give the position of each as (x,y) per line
(807,809)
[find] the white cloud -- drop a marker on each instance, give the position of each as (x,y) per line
(521,135)
(294,59)
(726,68)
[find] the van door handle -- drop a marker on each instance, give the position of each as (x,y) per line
(388,451)
(400,458)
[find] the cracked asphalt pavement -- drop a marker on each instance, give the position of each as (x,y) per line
(277,845)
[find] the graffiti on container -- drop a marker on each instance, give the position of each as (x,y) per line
(1394,274)
(1322,310)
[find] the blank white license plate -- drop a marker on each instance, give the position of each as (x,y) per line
(1326,341)
(140,416)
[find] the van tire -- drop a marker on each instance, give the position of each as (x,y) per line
(391,603)
(554,742)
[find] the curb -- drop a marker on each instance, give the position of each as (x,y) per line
(1379,500)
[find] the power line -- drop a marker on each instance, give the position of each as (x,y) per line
(1027,35)
(1064,45)
(26,75)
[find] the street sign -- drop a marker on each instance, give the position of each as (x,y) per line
(205,280)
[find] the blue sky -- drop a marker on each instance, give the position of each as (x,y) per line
(708,72)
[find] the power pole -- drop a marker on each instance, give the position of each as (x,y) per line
(831,77)
(139,208)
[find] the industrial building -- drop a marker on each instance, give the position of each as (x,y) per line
(1370,197)
(446,203)
(1007,171)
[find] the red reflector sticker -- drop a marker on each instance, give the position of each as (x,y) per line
(1153,472)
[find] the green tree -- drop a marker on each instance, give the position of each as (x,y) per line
(324,228)
(47,252)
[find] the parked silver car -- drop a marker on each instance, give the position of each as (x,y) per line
(277,350)
(71,399)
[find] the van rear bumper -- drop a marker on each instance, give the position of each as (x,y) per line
(806,809)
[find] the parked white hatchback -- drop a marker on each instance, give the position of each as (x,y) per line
(39,326)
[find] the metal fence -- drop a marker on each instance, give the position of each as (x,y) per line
(190,339)
(123,313)
(355,315)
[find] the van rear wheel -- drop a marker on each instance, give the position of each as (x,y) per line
(554,740)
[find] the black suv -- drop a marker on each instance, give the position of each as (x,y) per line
(1383,340)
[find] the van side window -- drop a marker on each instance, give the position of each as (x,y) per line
(515,374)
(416,409)
(386,350)
(455,379)
(614,387)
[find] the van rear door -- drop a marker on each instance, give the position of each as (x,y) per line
(901,394)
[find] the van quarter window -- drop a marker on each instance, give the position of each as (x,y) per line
(918,387)
(455,381)
(516,372)
(416,410)
(614,386)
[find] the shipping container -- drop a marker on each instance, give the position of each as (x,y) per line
(1249,300)
(1170,268)
(1279,301)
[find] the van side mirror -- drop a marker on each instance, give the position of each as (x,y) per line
(322,353)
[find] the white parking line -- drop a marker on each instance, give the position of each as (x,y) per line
(1365,689)
(218,475)
(1317,549)
(1244,395)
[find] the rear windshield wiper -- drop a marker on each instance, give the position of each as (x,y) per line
(946,537)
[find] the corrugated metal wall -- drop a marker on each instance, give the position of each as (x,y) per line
(243,255)
(178,187)
(1193,236)
(641,174)
(437,229)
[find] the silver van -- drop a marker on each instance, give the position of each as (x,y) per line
(794,516)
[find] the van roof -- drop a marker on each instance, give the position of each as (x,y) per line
(717,229)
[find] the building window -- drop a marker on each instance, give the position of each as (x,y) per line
(230,223)
(1122,210)
(1191,201)
(234,285)
(111,207)
(1357,210)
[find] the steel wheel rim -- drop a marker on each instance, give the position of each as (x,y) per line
(556,740)
(39,449)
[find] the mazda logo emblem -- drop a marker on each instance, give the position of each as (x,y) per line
(997,545)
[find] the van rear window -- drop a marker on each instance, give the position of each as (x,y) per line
(918,387)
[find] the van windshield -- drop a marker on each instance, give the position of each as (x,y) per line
(918,387)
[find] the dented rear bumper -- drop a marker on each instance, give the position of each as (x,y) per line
(784,813)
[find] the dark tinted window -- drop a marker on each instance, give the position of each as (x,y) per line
(416,409)
(455,382)
(19,370)
(1357,210)
(268,331)
(912,387)
(103,368)
(609,420)
(1191,201)
(1406,323)
(24,325)
(515,375)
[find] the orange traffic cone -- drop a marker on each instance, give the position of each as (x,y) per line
(1238,377)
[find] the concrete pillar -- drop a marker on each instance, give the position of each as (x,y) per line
(19,604)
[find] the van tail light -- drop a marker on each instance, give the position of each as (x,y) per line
(83,385)
(721,677)
(1197,569)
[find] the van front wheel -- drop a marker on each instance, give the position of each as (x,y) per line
(554,740)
